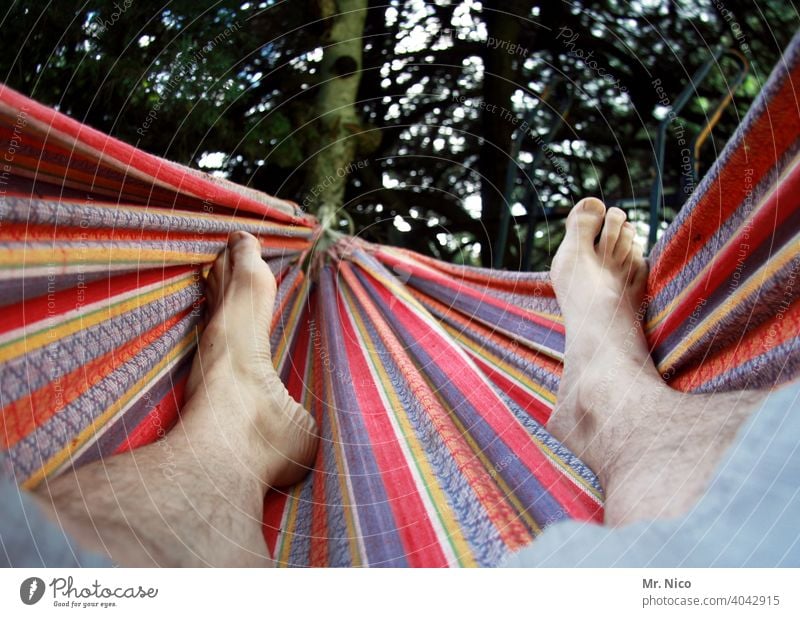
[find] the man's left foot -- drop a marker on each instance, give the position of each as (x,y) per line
(653,448)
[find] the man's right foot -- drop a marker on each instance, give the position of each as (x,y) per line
(653,448)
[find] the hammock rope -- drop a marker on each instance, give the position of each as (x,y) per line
(431,382)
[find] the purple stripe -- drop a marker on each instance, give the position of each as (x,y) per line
(759,306)
(105,216)
(25,374)
(34,450)
(491,315)
(123,427)
(379,528)
(30,287)
(541,505)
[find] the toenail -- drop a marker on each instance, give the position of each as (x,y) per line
(584,203)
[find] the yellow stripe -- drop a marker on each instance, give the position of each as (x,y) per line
(285,536)
(347,506)
(768,270)
(27,343)
(58,459)
(556,318)
(283,547)
(656,320)
(546,396)
(437,497)
(73,255)
(291,323)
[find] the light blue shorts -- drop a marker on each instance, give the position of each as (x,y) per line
(750,515)
(29,539)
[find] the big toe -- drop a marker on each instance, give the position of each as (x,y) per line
(584,222)
(250,275)
(247,265)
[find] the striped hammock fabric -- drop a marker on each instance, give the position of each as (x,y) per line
(431,382)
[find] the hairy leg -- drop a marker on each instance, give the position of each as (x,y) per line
(653,448)
(195,498)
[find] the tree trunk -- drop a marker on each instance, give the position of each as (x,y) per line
(337,118)
(503,28)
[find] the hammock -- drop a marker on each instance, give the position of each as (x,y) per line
(430,382)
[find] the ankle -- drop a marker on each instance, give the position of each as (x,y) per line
(229,380)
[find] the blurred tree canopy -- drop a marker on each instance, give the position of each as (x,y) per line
(400,117)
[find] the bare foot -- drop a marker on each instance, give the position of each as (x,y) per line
(196,497)
(653,448)
(234,397)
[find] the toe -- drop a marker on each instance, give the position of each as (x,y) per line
(246,253)
(251,295)
(624,243)
(221,275)
(212,290)
(249,269)
(637,268)
(612,226)
(584,221)
(245,249)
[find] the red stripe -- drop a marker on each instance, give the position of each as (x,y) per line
(780,205)
(274,506)
(768,138)
(484,298)
(536,408)
(414,527)
(126,156)
(61,302)
(162,418)
(319,549)
(486,402)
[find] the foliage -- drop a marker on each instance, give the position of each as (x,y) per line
(232,86)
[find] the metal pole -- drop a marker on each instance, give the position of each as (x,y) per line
(656,191)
